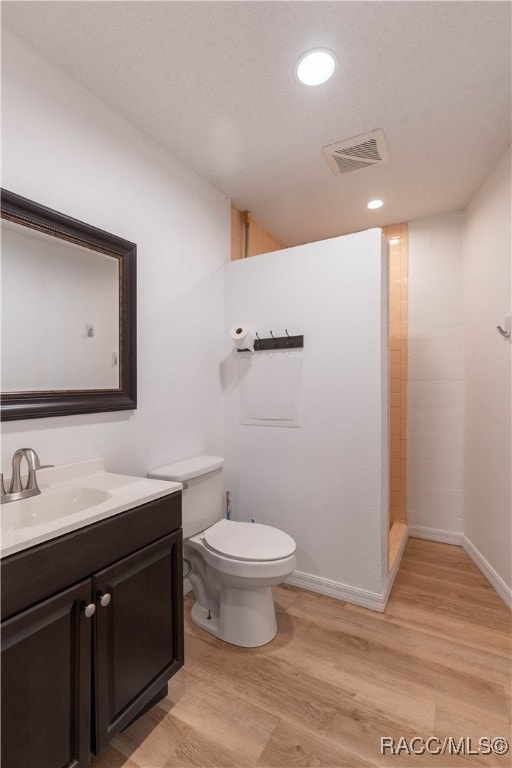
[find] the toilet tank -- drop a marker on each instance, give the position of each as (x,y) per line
(203,490)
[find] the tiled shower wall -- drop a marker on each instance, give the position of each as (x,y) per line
(260,240)
(436,377)
(397,236)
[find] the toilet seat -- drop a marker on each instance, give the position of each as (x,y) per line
(248,541)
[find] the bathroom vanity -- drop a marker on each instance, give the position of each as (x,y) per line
(92,616)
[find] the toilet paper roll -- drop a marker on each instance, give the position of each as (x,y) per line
(242,337)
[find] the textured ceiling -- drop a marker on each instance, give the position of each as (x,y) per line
(213,83)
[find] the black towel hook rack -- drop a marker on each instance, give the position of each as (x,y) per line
(276,342)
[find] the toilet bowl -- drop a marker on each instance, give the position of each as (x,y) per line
(232,565)
(241,562)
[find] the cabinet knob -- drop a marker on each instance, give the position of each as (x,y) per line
(104,599)
(89,609)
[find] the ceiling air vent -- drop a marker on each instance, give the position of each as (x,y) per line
(357,152)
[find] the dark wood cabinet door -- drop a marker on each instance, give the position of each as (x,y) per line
(46,673)
(139,633)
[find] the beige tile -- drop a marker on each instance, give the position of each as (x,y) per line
(394,483)
(394,441)
(393,230)
(394,498)
(394,315)
(395,428)
(395,413)
(394,469)
(395,386)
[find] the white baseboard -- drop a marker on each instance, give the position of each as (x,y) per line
(436,534)
(331,588)
(347,593)
(338,590)
(450,537)
(488,571)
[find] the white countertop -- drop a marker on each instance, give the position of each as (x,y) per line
(67,485)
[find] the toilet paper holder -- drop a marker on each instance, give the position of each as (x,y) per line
(276,342)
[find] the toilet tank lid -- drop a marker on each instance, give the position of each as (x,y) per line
(188,468)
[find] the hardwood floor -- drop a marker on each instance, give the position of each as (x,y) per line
(338,677)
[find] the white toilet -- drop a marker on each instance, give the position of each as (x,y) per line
(233,565)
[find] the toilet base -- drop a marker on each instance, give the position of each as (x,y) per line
(204,619)
(247,617)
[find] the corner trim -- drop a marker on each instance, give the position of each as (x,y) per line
(392,574)
(494,579)
(436,534)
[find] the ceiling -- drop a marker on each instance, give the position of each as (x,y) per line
(213,83)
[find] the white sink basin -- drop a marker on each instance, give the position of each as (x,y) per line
(73,496)
(51,505)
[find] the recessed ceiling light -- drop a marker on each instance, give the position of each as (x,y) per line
(374,204)
(316,67)
(394,241)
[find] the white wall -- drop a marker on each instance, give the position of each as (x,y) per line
(325,482)
(435,494)
(65,149)
(487,275)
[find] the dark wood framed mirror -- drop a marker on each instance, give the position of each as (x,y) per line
(69,336)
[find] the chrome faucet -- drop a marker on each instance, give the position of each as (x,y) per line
(16,490)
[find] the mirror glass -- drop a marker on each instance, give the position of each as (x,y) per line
(60,309)
(68,314)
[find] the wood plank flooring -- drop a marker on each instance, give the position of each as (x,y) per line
(338,677)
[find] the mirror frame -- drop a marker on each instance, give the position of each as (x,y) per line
(39,404)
